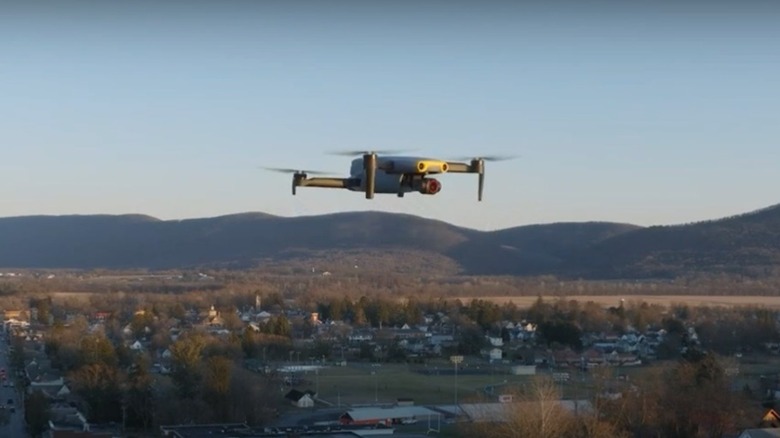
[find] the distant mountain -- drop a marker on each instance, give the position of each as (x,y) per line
(532,249)
(747,244)
(144,242)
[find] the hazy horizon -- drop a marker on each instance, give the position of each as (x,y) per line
(649,114)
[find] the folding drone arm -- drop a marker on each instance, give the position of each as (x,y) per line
(475,166)
(301,180)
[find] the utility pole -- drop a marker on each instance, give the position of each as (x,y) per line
(376,387)
(124,416)
(456,360)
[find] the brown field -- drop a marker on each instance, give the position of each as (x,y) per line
(604,300)
(664,300)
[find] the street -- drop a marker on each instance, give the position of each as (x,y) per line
(15,426)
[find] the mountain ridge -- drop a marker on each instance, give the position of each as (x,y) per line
(744,244)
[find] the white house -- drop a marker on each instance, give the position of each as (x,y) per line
(301,399)
(496,342)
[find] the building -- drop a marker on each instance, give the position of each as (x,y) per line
(385,416)
(301,399)
(523,370)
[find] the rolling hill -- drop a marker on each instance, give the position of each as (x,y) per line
(748,244)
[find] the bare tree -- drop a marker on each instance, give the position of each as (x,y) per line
(536,413)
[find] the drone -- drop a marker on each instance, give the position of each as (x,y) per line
(384,172)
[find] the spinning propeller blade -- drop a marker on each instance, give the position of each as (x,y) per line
(488,158)
(352,153)
(295,171)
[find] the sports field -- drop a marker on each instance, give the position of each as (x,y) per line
(364,383)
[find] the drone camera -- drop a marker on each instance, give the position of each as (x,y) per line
(429,186)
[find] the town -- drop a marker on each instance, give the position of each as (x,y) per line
(267,364)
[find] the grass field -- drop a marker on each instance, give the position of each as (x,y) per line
(356,385)
(365,384)
(664,300)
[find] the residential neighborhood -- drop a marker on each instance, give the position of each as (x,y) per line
(297,350)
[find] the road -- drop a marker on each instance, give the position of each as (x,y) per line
(15,426)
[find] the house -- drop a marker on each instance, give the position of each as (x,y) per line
(159,368)
(301,399)
(496,341)
(495,354)
(360,336)
(567,357)
(52,390)
(66,419)
(594,358)
(15,314)
(771,419)
(102,315)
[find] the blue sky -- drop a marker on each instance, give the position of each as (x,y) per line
(652,114)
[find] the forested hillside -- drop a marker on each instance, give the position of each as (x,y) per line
(748,245)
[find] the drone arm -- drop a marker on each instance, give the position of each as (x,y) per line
(456,167)
(332,183)
(475,166)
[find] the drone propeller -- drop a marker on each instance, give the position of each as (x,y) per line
(488,158)
(298,174)
(477,165)
(296,171)
(352,153)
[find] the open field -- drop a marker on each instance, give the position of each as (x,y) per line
(664,300)
(604,300)
(355,384)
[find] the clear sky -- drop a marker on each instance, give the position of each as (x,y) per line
(656,114)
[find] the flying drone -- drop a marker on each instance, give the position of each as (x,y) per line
(384,172)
